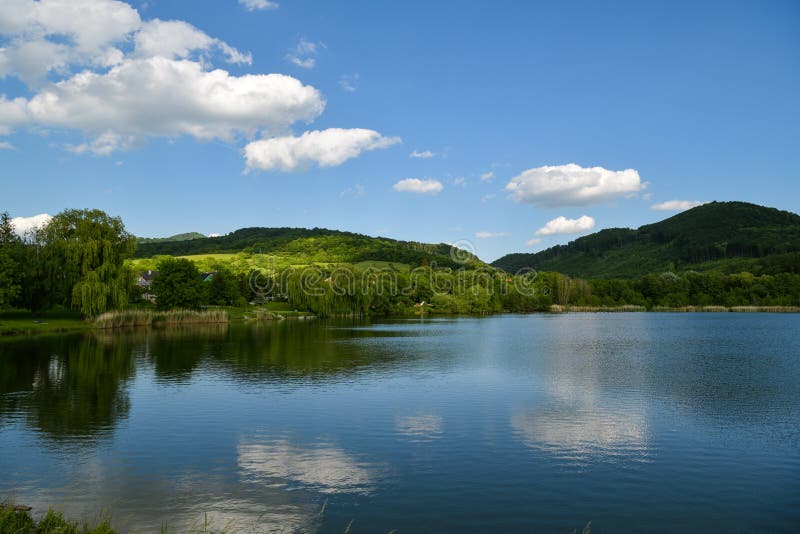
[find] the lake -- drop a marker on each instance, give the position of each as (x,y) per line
(511,423)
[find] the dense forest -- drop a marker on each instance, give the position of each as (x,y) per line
(728,237)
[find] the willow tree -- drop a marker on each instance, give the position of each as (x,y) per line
(84,253)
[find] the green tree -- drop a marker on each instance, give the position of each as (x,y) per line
(178,284)
(223,289)
(83,258)
(10,264)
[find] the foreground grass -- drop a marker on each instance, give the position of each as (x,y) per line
(19,521)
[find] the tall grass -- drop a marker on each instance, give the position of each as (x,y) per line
(138,318)
(557,308)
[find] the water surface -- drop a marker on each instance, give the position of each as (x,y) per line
(637,422)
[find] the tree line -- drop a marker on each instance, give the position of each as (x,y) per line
(79,261)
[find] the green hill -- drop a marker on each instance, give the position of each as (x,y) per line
(722,236)
(178,237)
(317,245)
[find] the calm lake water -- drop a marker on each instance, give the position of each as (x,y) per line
(635,422)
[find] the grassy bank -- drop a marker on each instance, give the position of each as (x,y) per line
(22,322)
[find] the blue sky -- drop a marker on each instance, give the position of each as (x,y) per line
(586,114)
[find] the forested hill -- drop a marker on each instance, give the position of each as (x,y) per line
(178,237)
(724,236)
(316,244)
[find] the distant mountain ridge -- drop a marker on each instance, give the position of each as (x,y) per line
(724,236)
(319,244)
(177,237)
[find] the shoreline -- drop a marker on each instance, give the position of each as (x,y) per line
(33,327)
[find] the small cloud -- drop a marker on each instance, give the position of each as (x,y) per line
(213,234)
(572,185)
(425,154)
(325,148)
(415,185)
(349,82)
(304,54)
(460,181)
(678,205)
(487,235)
(562,225)
(487,198)
(355,191)
(487,176)
(259,5)
(5,145)
(533,242)
(23,225)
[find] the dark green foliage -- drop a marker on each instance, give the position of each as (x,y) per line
(723,236)
(314,245)
(11,262)
(178,284)
(223,289)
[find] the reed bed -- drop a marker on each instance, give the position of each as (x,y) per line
(556,308)
(139,318)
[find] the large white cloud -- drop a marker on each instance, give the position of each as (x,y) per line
(415,185)
(555,186)
(164,97)
(48,35)
(562,225)
(326,148)
(677,205)
(95,67)
(23,225)
(178,39)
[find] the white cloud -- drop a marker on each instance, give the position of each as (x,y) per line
(213,234)
(326,148)
(534,241)
(84,32)
(23,225)
(460,181)
(487,176)
(572,185)
(562,225)
(487,198)
(176,39)
(259,5)
(487,235)
(678,205)
(349,82)
(94,67)
(5,145)
(304,54)
(425,154)
(164,97)
(415,185)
